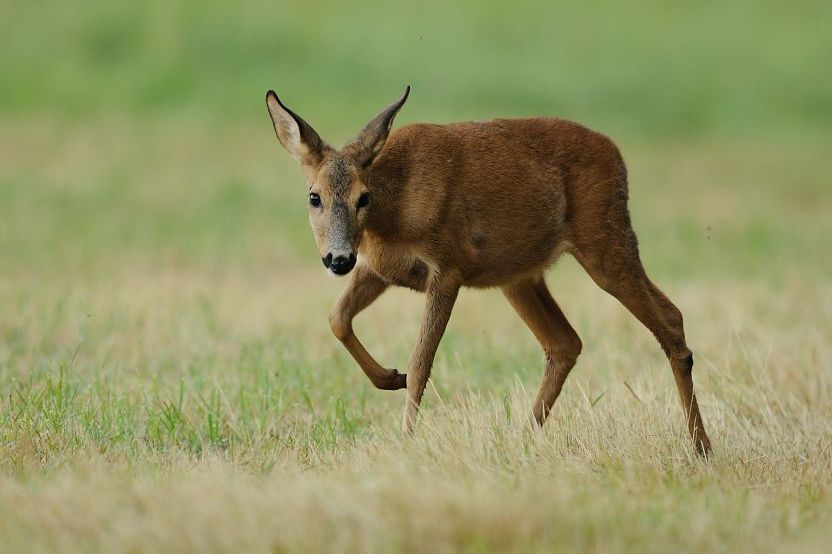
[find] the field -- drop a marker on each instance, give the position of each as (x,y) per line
(168,380)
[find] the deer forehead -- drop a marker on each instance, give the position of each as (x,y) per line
(337,175)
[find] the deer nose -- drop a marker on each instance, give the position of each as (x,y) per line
(340,265)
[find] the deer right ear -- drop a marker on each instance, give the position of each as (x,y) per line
(295,134)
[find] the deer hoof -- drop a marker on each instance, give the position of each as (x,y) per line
(395,381)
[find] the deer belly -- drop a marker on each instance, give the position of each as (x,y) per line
(500,256)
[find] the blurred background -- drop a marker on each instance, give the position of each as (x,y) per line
(135,134)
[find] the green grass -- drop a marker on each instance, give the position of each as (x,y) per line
(168,381)
(645,69)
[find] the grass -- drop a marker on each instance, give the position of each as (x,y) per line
(163,421)
(168,381)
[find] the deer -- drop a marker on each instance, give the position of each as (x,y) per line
(486,204)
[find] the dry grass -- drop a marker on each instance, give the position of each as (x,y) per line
(155,434)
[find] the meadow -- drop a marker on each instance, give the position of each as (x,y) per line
(168,379)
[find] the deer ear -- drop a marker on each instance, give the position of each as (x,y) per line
(370,140)
(295,134)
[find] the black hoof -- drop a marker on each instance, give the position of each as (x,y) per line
(394,382)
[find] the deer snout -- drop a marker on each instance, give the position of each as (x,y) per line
(340,264)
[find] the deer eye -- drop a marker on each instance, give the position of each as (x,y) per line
(364,200)
(314,200)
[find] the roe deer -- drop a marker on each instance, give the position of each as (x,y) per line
(479,204)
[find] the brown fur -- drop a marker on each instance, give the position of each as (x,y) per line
(481,204)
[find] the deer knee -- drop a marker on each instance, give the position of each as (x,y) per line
(565,354)
(686,364)
(574,349)
(674,318)
(341,326)
(681,361)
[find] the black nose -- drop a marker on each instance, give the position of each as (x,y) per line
(340,265)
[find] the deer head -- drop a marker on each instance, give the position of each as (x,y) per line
(339,196)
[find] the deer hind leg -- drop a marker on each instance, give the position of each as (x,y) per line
(618,271)
(560,342)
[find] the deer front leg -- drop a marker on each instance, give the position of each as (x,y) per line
(441,295)
(362,289)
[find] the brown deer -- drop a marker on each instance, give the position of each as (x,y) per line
(479,204)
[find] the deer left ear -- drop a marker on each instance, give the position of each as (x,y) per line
(295,134)
(371,139)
